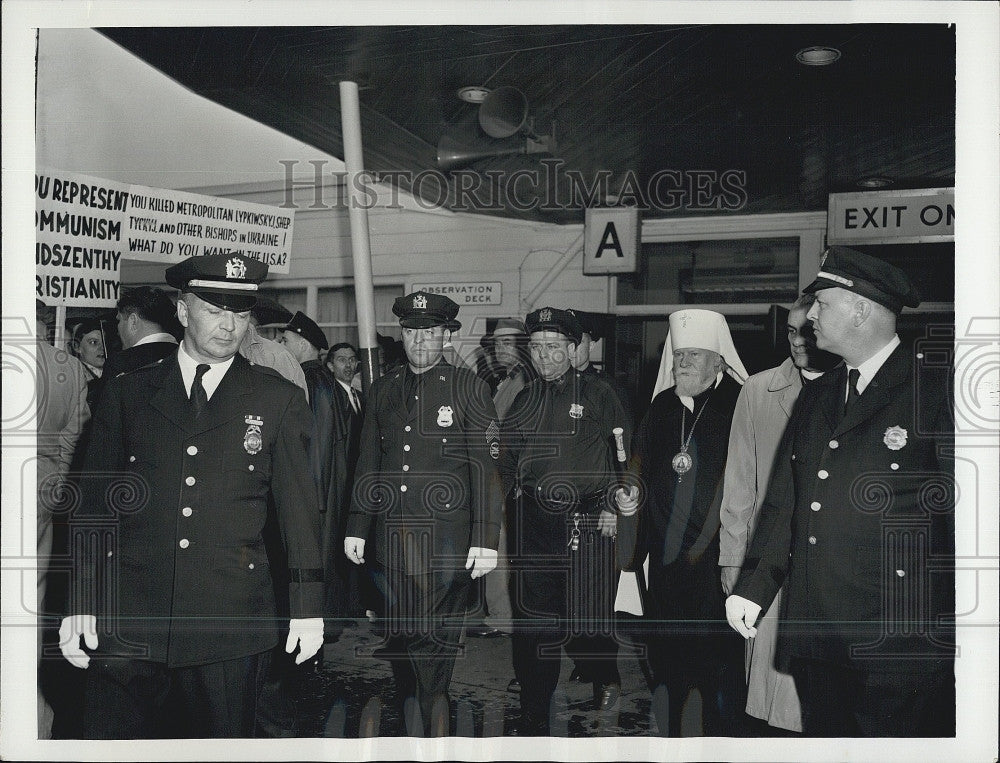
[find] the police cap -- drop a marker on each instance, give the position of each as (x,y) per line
(553,319)
(865,275)
(306,327)
(421,310)
(228,281)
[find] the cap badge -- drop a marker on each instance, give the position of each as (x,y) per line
(420,302)
(252,441)
(445,416)
(576,411)
(684,321)
(895,438)
(236,268)
(545,315)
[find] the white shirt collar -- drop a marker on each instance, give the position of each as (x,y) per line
(160,336)
(870,367)
(349,390)
(212,378)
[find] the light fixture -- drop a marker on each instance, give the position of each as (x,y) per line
(473,93)
(875,181)
(817,55)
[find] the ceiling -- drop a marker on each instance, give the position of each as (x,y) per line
(723,108)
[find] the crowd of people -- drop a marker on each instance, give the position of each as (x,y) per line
(242,498)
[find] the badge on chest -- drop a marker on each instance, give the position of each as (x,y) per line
(445,416)
(252,441)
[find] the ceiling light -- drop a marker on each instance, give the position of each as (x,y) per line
(473,93)
(817,55)
(876,181)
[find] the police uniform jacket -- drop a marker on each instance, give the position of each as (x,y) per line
(426,479)
(185,579)
(859,523)
(559,450)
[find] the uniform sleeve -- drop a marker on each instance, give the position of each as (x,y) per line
(766,562)
(295,498)
(103,459)
(740,486)
(363,508)
(512,438)
(482,434)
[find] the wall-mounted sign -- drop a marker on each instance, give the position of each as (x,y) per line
(476,293)
(891,217)
(85,226)
(611,240)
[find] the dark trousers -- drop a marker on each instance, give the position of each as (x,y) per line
(128,699)
(424,618)
(839,701)
(562,598)
(537,659)
(709,662)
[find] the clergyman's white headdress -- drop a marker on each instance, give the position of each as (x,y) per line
(705,329)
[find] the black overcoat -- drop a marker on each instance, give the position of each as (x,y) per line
(859,523)
(167,545)
(684,585)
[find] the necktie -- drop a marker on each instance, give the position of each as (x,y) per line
(355,400)
(852,388)
(199,399)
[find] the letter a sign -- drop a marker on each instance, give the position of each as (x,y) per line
(611,240)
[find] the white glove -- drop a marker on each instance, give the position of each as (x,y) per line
(70,630)
(607,523)
(481,561)
(742,614)
(627,500)
(355,549)
(308,634)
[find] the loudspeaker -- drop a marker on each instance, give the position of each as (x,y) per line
(504,112)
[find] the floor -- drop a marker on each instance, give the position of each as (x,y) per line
(350,696)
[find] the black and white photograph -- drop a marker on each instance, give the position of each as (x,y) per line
(500,380)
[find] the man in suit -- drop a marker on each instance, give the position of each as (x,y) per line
(348,589)
(172,582)
(427,486)
(858,523)
(762,411)
(146,323)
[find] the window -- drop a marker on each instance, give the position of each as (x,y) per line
(712,272)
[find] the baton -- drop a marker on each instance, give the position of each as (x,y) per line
(620,461)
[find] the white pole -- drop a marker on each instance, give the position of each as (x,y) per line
(364,293)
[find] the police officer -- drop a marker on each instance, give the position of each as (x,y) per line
(558,451)
(306,340)
(858,521)
(427,486)
(183,457)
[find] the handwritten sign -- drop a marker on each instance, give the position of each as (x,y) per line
(85,226)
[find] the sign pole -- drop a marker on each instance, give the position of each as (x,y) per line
(364,292)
